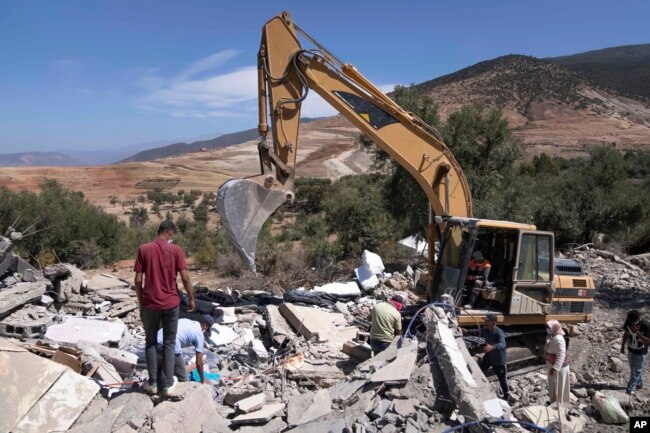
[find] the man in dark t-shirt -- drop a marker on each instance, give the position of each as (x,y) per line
(160,261)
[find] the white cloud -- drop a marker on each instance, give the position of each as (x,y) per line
(213,61)
(209,95)
(197,91)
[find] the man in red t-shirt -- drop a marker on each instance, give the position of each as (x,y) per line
(160,261)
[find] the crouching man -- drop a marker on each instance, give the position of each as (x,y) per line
(190,334)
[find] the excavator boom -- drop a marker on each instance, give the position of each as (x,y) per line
(286,73)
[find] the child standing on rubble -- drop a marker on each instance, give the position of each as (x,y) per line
(636,336)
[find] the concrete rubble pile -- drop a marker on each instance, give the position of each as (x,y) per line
(302,363)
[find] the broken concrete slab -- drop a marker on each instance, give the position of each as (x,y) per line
(124,362)
(122,309)
(234,395)
(344,391)
(330,423)
(399,370)
(323,375)
(467,384)
(405,407)
(308,406)
(543,416)
(31,321)
(21,294)
(276,425)
(187,415)
(318,325)
(258,351)
(35,393)
(135,409)
(279,328)
(102,423)
(252,403)
(358,351)
(75,329)
(261,416)
(103,282)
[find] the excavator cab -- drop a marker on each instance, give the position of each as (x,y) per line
(524,283)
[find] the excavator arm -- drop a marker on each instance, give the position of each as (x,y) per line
(286,73)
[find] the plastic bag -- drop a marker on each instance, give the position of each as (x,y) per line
(610,409)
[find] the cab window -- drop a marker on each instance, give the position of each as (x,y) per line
(534,258)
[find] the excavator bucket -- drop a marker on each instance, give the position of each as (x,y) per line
(244,206)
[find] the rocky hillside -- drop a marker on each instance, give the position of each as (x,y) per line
(625,69)
(553,108)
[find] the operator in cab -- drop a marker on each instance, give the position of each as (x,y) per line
(477,276)
(386,323)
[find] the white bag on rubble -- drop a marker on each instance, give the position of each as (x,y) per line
(372,261)
(371,265)
(367,279)
(610,409)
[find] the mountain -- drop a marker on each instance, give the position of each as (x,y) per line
(219,142)
(625,69)
(181,148)
(39,159)
(551,107)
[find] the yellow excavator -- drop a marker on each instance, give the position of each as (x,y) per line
(526,284)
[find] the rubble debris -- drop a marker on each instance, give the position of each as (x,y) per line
(276,425)
(358,351)
(31,321)
(104,283)
(399,370)
(321,326)
(251,404)
(188,415)
(468,386)
(68,356)
(308,406)
(32,383)
(261,416)
(326,424)
(124,362)
(278,326)
(20,294)
(74,329)
(544,416)
(343,290)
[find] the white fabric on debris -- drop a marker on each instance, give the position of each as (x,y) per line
(343,289)
(372,261)
(371,265)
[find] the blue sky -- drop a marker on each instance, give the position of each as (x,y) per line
(107,74)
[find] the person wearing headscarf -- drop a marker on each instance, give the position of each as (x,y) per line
(557,362)
(386,323)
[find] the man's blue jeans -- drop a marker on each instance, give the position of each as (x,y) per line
(637,362)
